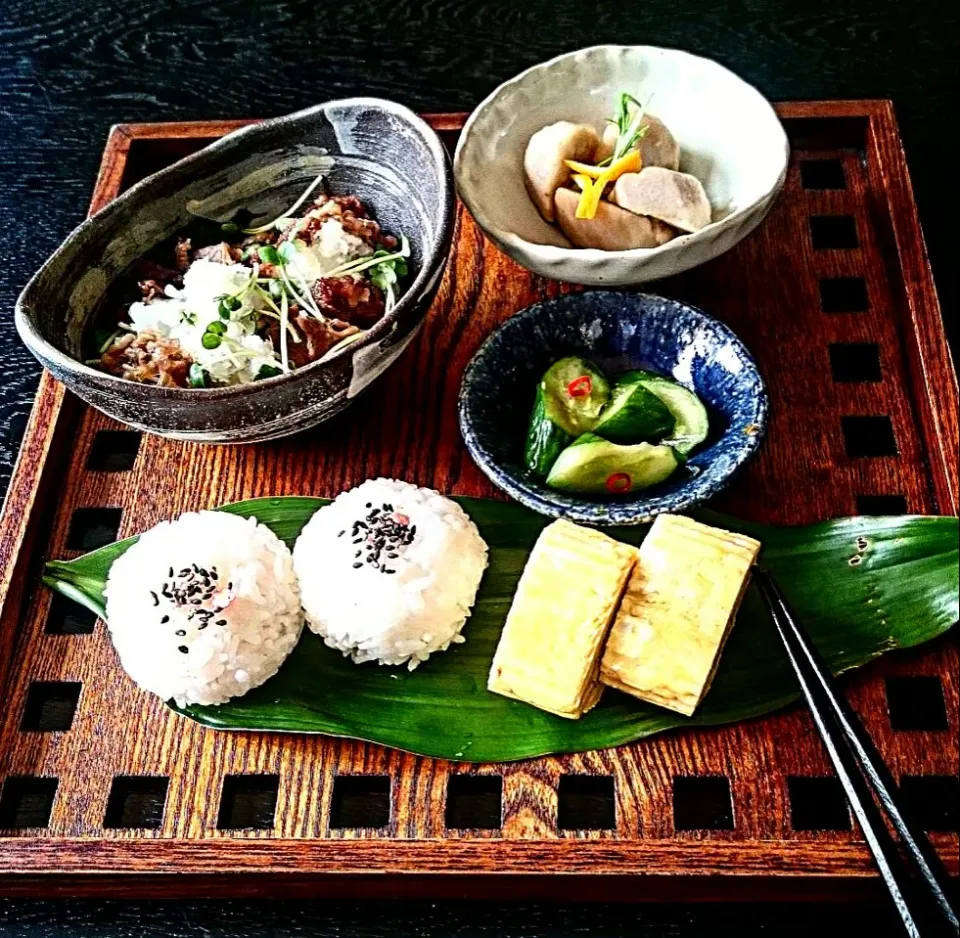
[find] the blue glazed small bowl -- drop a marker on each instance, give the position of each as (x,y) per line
(617,331)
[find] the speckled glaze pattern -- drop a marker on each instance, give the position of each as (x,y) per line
(730,139)
(384,153)
(618,331)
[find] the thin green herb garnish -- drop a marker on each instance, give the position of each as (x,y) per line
(629,124)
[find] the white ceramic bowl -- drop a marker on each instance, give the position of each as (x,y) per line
(729,136)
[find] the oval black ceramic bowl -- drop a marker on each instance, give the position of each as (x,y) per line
(618,331)
(383,153)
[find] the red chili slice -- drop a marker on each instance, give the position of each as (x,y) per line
(619,482)
(580,387)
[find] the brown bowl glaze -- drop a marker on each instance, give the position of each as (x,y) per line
(383,153)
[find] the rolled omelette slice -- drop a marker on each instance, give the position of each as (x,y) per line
(550,647)
(677,611)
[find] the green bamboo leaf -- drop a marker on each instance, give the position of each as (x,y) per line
(863,586)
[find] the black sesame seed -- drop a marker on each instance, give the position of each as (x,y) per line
(200,628)
(156,599)
(344,531)
(221,621)
(183,649)
(180,632)
(165,620)
(386,570)
(357,566)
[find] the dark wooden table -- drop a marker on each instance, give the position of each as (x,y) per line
(69,70)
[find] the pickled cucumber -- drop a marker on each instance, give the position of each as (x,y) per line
(592,465)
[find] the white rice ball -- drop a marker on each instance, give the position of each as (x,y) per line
(389,572)
(204,608)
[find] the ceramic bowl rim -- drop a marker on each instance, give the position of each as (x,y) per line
(24,310)
(591,512)
(551,252)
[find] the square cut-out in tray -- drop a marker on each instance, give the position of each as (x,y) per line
(103,789)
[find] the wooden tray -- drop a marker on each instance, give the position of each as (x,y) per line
(106,790)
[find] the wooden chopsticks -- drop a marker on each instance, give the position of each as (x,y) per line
(916,878)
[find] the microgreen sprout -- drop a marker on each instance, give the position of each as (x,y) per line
(385,275)
(284,322)
(284,215)
(349,340)
(384,269)
(108,341)
(288,250)
(274,311)
(372,260)
(210,340)
(301,290)
(196,376)
(268,254)
(227,305)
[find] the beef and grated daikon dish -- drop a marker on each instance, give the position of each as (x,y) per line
(204,608)
(389,572)
(260,301)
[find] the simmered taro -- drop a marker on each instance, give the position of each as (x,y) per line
(618,191)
